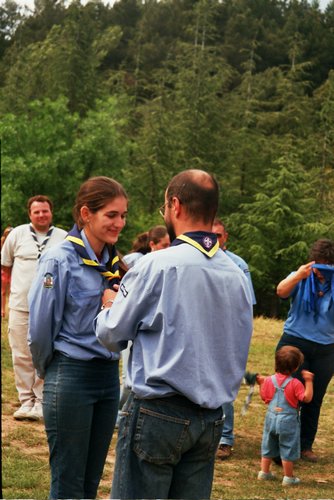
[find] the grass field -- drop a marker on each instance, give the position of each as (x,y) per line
(25,470)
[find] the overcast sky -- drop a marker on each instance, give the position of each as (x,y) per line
(30,3)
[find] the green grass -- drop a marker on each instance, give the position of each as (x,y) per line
(25,470)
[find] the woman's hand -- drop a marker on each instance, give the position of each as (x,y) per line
(108,297)
(305,270)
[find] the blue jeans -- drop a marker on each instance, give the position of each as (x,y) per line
(166,449)
(124,390)
(80,408)
(319,359)
(227,436)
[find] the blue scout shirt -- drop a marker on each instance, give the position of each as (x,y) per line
(244,267)
(190,320)
(64,299)
(306,325)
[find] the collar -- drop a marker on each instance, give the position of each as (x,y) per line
(205,242)
(110,271)
(90,251)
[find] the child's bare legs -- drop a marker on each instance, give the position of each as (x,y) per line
(265,474)
(287,468)
(289,479)
(265,464)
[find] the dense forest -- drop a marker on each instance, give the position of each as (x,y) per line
(143,89)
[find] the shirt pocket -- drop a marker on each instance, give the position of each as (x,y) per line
(84,306)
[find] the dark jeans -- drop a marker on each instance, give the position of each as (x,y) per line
(166,449)
(318,359)
(80,408)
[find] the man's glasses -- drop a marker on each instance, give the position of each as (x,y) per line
(162,209)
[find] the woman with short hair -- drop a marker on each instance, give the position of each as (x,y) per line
(310,327)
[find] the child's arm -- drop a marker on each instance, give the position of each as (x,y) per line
(259,379)
(308,377)
(266,388)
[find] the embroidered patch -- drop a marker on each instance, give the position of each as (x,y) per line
(123,290)
(48,280)
(207,242)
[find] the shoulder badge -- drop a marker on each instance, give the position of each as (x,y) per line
(48,280)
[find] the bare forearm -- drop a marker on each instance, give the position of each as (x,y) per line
(308,391)
(286,286)
(308,378)
(7,271)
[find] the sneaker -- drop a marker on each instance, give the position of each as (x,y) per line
(290,481)
(309,456)
(265,476)
(224,451)
(23,413)
(36,412)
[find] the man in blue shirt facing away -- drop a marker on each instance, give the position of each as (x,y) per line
(188,312)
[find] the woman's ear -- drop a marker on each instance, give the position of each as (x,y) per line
(85,214)
(151,245)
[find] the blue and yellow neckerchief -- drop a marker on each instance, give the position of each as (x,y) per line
(205,242)
(111,275)
(40,246)
(314,289)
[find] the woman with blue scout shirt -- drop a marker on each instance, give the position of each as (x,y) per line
(81,377)
(310,327)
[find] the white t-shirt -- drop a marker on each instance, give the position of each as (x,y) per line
(20,252)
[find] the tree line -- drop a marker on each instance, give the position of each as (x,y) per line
(141,90)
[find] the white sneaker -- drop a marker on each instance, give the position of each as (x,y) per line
(265,476)
(290,481)
(36,412)
(23,413)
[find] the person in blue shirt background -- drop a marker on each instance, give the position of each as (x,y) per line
(81,377)
(227,438)
(140,248)
(188,311)
(310,327)
(219,229)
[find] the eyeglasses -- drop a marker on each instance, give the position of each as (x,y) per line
(162,209)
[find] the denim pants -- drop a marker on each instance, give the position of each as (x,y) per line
(80,408)
(319,359)
(227,436)
(281,432)
(166,449)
